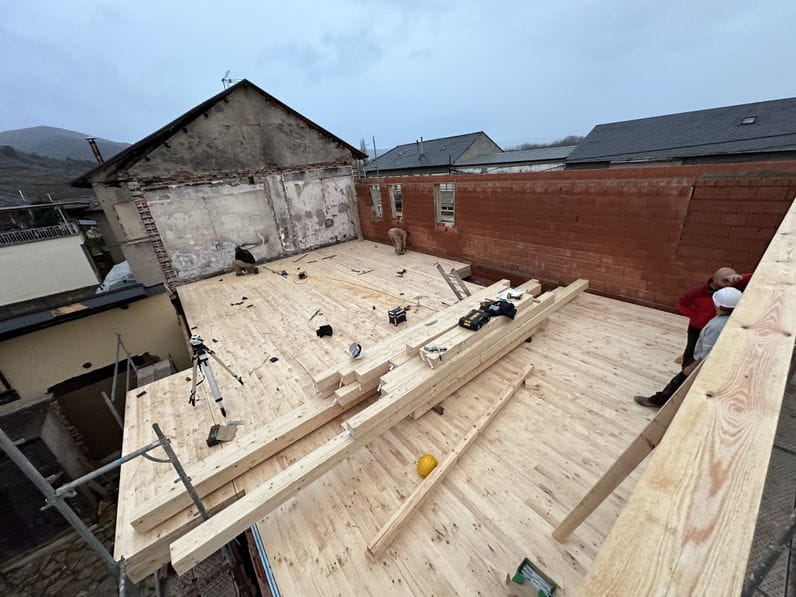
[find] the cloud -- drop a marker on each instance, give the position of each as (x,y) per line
(520,70)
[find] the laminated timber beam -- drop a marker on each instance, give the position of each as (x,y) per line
(237,457)
(635,453)
(253,448)
(211,535)
(401,516)
(445,380)
(376,360)
(688,526)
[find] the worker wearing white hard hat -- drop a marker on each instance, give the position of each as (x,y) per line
(727,297)
(725,300)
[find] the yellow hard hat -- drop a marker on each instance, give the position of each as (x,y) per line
(426,464)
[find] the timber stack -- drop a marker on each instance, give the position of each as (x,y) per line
(413,370)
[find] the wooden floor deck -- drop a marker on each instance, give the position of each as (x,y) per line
(501,501)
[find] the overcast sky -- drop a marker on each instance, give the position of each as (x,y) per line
(528,71)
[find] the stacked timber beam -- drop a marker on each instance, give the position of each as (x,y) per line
(409,387)
(236,458)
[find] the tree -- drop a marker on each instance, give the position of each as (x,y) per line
(568,140)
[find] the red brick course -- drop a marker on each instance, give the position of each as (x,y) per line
(640,234)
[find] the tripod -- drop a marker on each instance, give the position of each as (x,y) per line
(201,360)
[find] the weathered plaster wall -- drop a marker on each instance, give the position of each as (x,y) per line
(248,171)
(117,203)
(36,269)
(247,132)
(279,213)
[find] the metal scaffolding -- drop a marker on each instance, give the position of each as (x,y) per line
(57,497)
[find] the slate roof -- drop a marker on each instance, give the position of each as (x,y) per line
(542,154)
(717,131)
(436,152)
(138,150)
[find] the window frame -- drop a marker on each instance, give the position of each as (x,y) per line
(375,201)
(391,190)
(441,215)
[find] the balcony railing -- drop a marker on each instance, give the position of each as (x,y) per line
(34,234)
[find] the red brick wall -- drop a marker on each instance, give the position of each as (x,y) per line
(640,234)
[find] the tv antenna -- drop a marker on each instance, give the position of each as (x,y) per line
(227,82)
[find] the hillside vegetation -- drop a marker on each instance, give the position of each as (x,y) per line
(38,175)
(53,142)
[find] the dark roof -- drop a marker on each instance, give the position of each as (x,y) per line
(542,154)
(436,152)
(138,150)
(716,131)
(47,205)
(23,324)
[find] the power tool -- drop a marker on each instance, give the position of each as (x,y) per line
(474,320)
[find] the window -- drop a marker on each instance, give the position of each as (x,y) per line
(445,202)
(375,198)
(749,120)
(396,201)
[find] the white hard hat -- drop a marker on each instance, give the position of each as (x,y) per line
(727,297)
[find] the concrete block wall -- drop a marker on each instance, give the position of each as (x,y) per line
(642,234)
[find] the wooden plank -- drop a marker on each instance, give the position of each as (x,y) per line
(459,339)
(377,365)
(199,543)
(449,377)
(449,318)
(273,321)
(688,525)
(440,384)
(563,295)
(236,457)
(472,342)
(355,391)
(397,521)
(211,535)
(447,386)
(376,358)
(635,453)
(222,528)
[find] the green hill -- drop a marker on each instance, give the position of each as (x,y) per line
(37,176)
(53,142)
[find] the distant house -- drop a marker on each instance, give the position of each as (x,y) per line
(432,156)
(528,160)
(241,168)
(756,131)
(42,261)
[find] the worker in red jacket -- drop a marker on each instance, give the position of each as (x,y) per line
(697,304)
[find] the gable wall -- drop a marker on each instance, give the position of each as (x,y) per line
(279,214)
(250,172)
(483,145)
(245,133)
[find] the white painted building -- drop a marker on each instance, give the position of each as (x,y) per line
(39,262)
(543,159)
